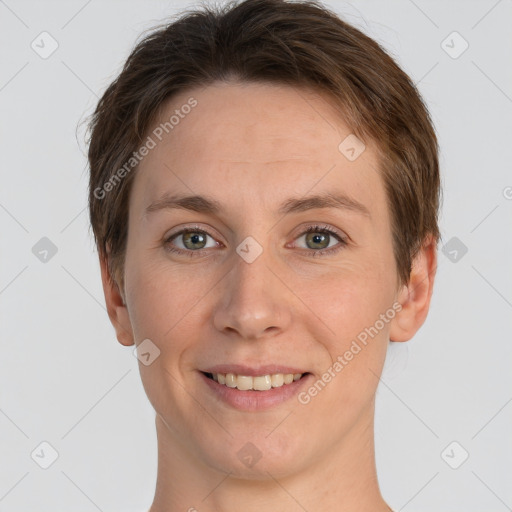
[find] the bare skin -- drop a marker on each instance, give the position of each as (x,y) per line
(252,147)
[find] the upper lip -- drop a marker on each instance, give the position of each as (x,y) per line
(252,371)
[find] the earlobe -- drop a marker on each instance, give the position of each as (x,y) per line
(116,306)
(415,296)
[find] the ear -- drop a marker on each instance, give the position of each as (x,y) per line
(116,307)
(415,296)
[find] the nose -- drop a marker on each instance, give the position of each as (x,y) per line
(253,301)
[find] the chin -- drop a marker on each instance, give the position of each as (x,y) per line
(259,456)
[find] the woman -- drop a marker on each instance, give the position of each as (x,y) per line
(264,196)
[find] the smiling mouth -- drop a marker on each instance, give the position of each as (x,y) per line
(256,383)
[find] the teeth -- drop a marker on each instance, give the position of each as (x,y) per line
(259,383)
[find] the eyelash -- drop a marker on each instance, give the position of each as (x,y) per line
(311,229)
(325,230)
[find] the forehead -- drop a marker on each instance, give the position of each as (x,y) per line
(264,140)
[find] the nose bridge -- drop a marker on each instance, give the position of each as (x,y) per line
(253,302)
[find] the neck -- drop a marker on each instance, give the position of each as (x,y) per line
(342,480)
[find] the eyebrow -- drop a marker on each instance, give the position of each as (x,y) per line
(204,204)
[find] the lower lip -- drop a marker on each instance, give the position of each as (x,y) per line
(255,400)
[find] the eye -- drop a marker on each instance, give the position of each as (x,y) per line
(316,240)
(190,240)
(322,240)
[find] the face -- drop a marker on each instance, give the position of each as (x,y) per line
(276,264)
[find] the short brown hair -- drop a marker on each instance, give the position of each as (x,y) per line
(274,41)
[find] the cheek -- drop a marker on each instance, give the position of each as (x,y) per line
(158,298)
(354,311)
(351,298)
(163,309)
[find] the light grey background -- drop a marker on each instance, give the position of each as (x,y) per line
(64,378)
